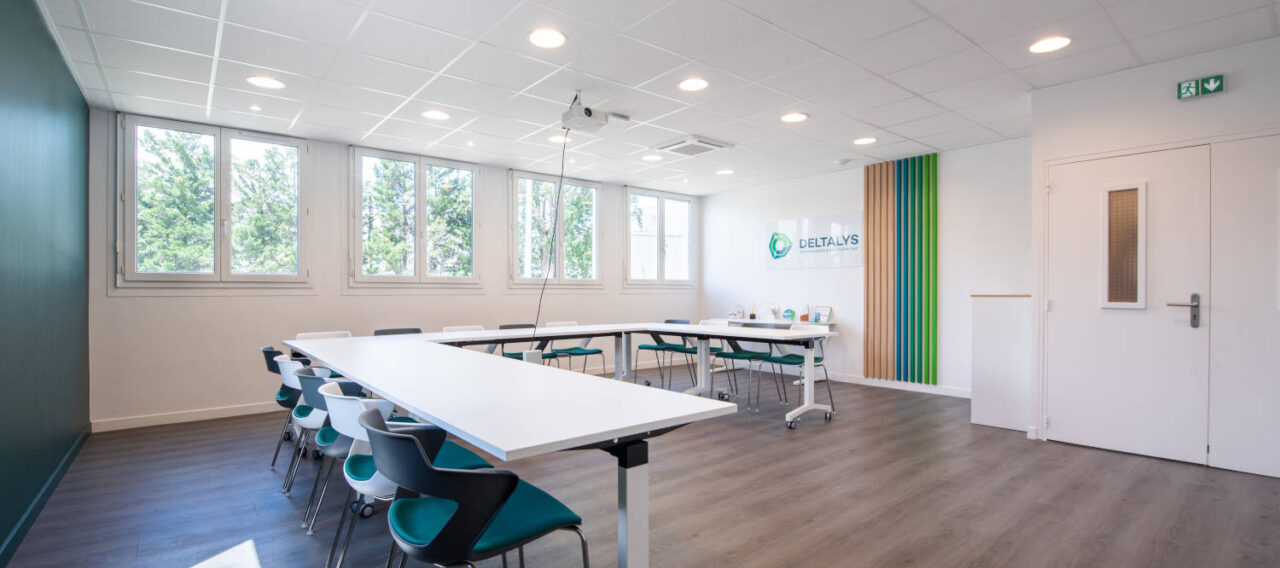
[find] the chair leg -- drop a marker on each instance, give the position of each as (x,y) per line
(315,489)
(351,531)
(311,527)
(297,462)
(391,556)
(342,521)
(520,553)
(288,420)
(830,399)
(586,560)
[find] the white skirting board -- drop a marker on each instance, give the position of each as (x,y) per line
(902,385)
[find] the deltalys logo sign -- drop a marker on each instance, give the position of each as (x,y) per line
(779,245)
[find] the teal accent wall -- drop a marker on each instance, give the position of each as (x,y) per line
(44,354)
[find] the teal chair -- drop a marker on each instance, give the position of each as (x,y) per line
(659,347)
(541,345)
(579,350)
(796,359)
(450,517)
(690,351)
(730,358)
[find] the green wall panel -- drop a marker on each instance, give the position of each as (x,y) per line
(916,269)
(44,410)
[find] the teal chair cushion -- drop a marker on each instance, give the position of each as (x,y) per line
(360,467)
(742,355)
(284,393)
(694,350)
(577,351)
(302,411)
(660,346)
(520,355)
(790,359)
(529,512)
(402,419)
(453,456)
(326,436)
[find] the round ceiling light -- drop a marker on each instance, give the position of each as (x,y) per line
(794,117)
(693,84)
(864,141)
(265,82)
(546,38)
(651,158)
(559,139)
(1049,44)
(255,108)
(434,114)
(724,172)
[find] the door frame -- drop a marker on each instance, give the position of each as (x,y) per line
(1040,230)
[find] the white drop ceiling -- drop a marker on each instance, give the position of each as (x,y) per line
(918,75)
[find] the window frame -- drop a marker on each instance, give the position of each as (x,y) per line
(356,278)
(1104,301)
(127,275)
(513,279)
(661,281)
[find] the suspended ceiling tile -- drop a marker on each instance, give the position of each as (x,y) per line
(499,67)
(467,19)
(125,54)
(1205,36)
(247,45)
(405,42)
(322,21)
(1080,66)
(151,24)
(627,61)
(372,73)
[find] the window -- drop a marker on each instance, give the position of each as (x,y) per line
(658,239)
(555,233)
(1124,242)
(209,205)
(416,221)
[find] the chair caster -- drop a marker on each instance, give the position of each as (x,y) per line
(722,395)
(316,455)
(827,417)
(366,511)
(288,435)
(791,424)
(647,383)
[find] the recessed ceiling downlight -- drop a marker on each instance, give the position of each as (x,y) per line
(1052,43)
(794,117)
(255,108)
(265,82)
(559,139)
(693,84)
(864,141)
(434,114)
(546,38)
(651,158)
(724,172)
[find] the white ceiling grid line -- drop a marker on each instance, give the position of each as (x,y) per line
(919,75)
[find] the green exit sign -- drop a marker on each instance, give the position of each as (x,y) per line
(1201,86)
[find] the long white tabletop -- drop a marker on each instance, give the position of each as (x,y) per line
(506,407)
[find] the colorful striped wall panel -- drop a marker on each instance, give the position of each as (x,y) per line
(901,200)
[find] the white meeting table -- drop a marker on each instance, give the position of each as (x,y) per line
(512,409)
(622,347)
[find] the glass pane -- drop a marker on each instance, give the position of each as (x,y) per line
(1122,246)
(176,201)
(388,199)
(675,229)
(264,208)
(644,237)
(579,232)
(448,223)
(535,221)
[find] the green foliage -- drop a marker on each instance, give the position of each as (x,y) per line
(264,208)
(449,221)
(176,214)
(388,202)
(579,232)
(535,225)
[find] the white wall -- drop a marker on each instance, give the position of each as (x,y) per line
(157,359)
(983,240)
(1135,110)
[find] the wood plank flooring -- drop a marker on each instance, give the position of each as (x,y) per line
(896,479)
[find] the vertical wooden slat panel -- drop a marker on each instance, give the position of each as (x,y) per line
(868,317)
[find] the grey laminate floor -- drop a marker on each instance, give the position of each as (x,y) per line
(897,479)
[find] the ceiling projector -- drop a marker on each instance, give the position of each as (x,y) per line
(583,119)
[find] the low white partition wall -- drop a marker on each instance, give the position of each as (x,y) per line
(1001,391)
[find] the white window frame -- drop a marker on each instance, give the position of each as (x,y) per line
(559,280)
(661,281)
(127,274)
(356,278)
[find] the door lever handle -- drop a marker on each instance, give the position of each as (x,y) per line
(1194,304)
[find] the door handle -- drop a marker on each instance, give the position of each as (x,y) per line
(1194,304)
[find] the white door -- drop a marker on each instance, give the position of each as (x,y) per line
(1124,370)
(1244,383)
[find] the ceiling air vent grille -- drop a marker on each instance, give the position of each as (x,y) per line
(693,146)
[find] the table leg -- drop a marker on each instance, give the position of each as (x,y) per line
(704,367)
(622,357)
(633,504)
(809,404)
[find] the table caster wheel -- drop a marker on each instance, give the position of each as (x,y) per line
(288,435)
(722,395)
(791,424)
(827,417)
(647,383)
(367,510)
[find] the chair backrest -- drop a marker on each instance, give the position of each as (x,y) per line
(270,353)
(345,409)
(403,457)
(397,331)
(513,326)
(322,334)
(311,379)
(449,328)
(288,368)
(657,337)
